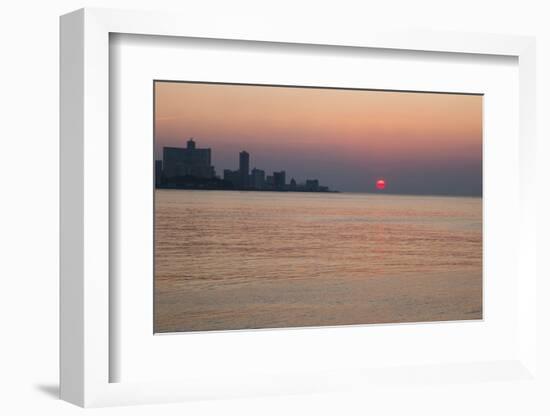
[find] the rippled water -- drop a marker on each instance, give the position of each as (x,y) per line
(234,260)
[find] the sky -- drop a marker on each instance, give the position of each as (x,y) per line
(419,143)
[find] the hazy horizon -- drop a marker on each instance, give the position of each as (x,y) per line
(420,143)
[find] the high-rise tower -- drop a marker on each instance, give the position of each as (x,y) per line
(244,167)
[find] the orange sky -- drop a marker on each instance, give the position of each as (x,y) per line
(343,137)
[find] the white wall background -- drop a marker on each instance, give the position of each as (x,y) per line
(29,198)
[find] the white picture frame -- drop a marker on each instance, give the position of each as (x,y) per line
(85,211)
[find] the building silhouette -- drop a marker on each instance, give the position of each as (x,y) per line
(279,179)
(232,176)
(244,168)
(257,178)
(158,172)
(312,184)
(188,161)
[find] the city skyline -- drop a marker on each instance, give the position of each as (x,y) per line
(420,143)
(191,167)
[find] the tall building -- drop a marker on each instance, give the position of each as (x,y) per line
(257,178)
(189,161)
(279,179)
(158,172)
(244,167)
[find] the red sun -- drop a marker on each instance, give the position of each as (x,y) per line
(380,184)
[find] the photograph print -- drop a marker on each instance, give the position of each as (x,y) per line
(292,206)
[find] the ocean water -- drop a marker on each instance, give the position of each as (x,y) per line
(238,260)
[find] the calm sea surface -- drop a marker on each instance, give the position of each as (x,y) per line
(237,260)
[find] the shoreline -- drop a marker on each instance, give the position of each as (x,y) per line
(180,188)
(376,193)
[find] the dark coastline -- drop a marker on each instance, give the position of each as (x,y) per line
(386,192)
(213,188)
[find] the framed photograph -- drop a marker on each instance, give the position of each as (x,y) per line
(269,212)
(308,207)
